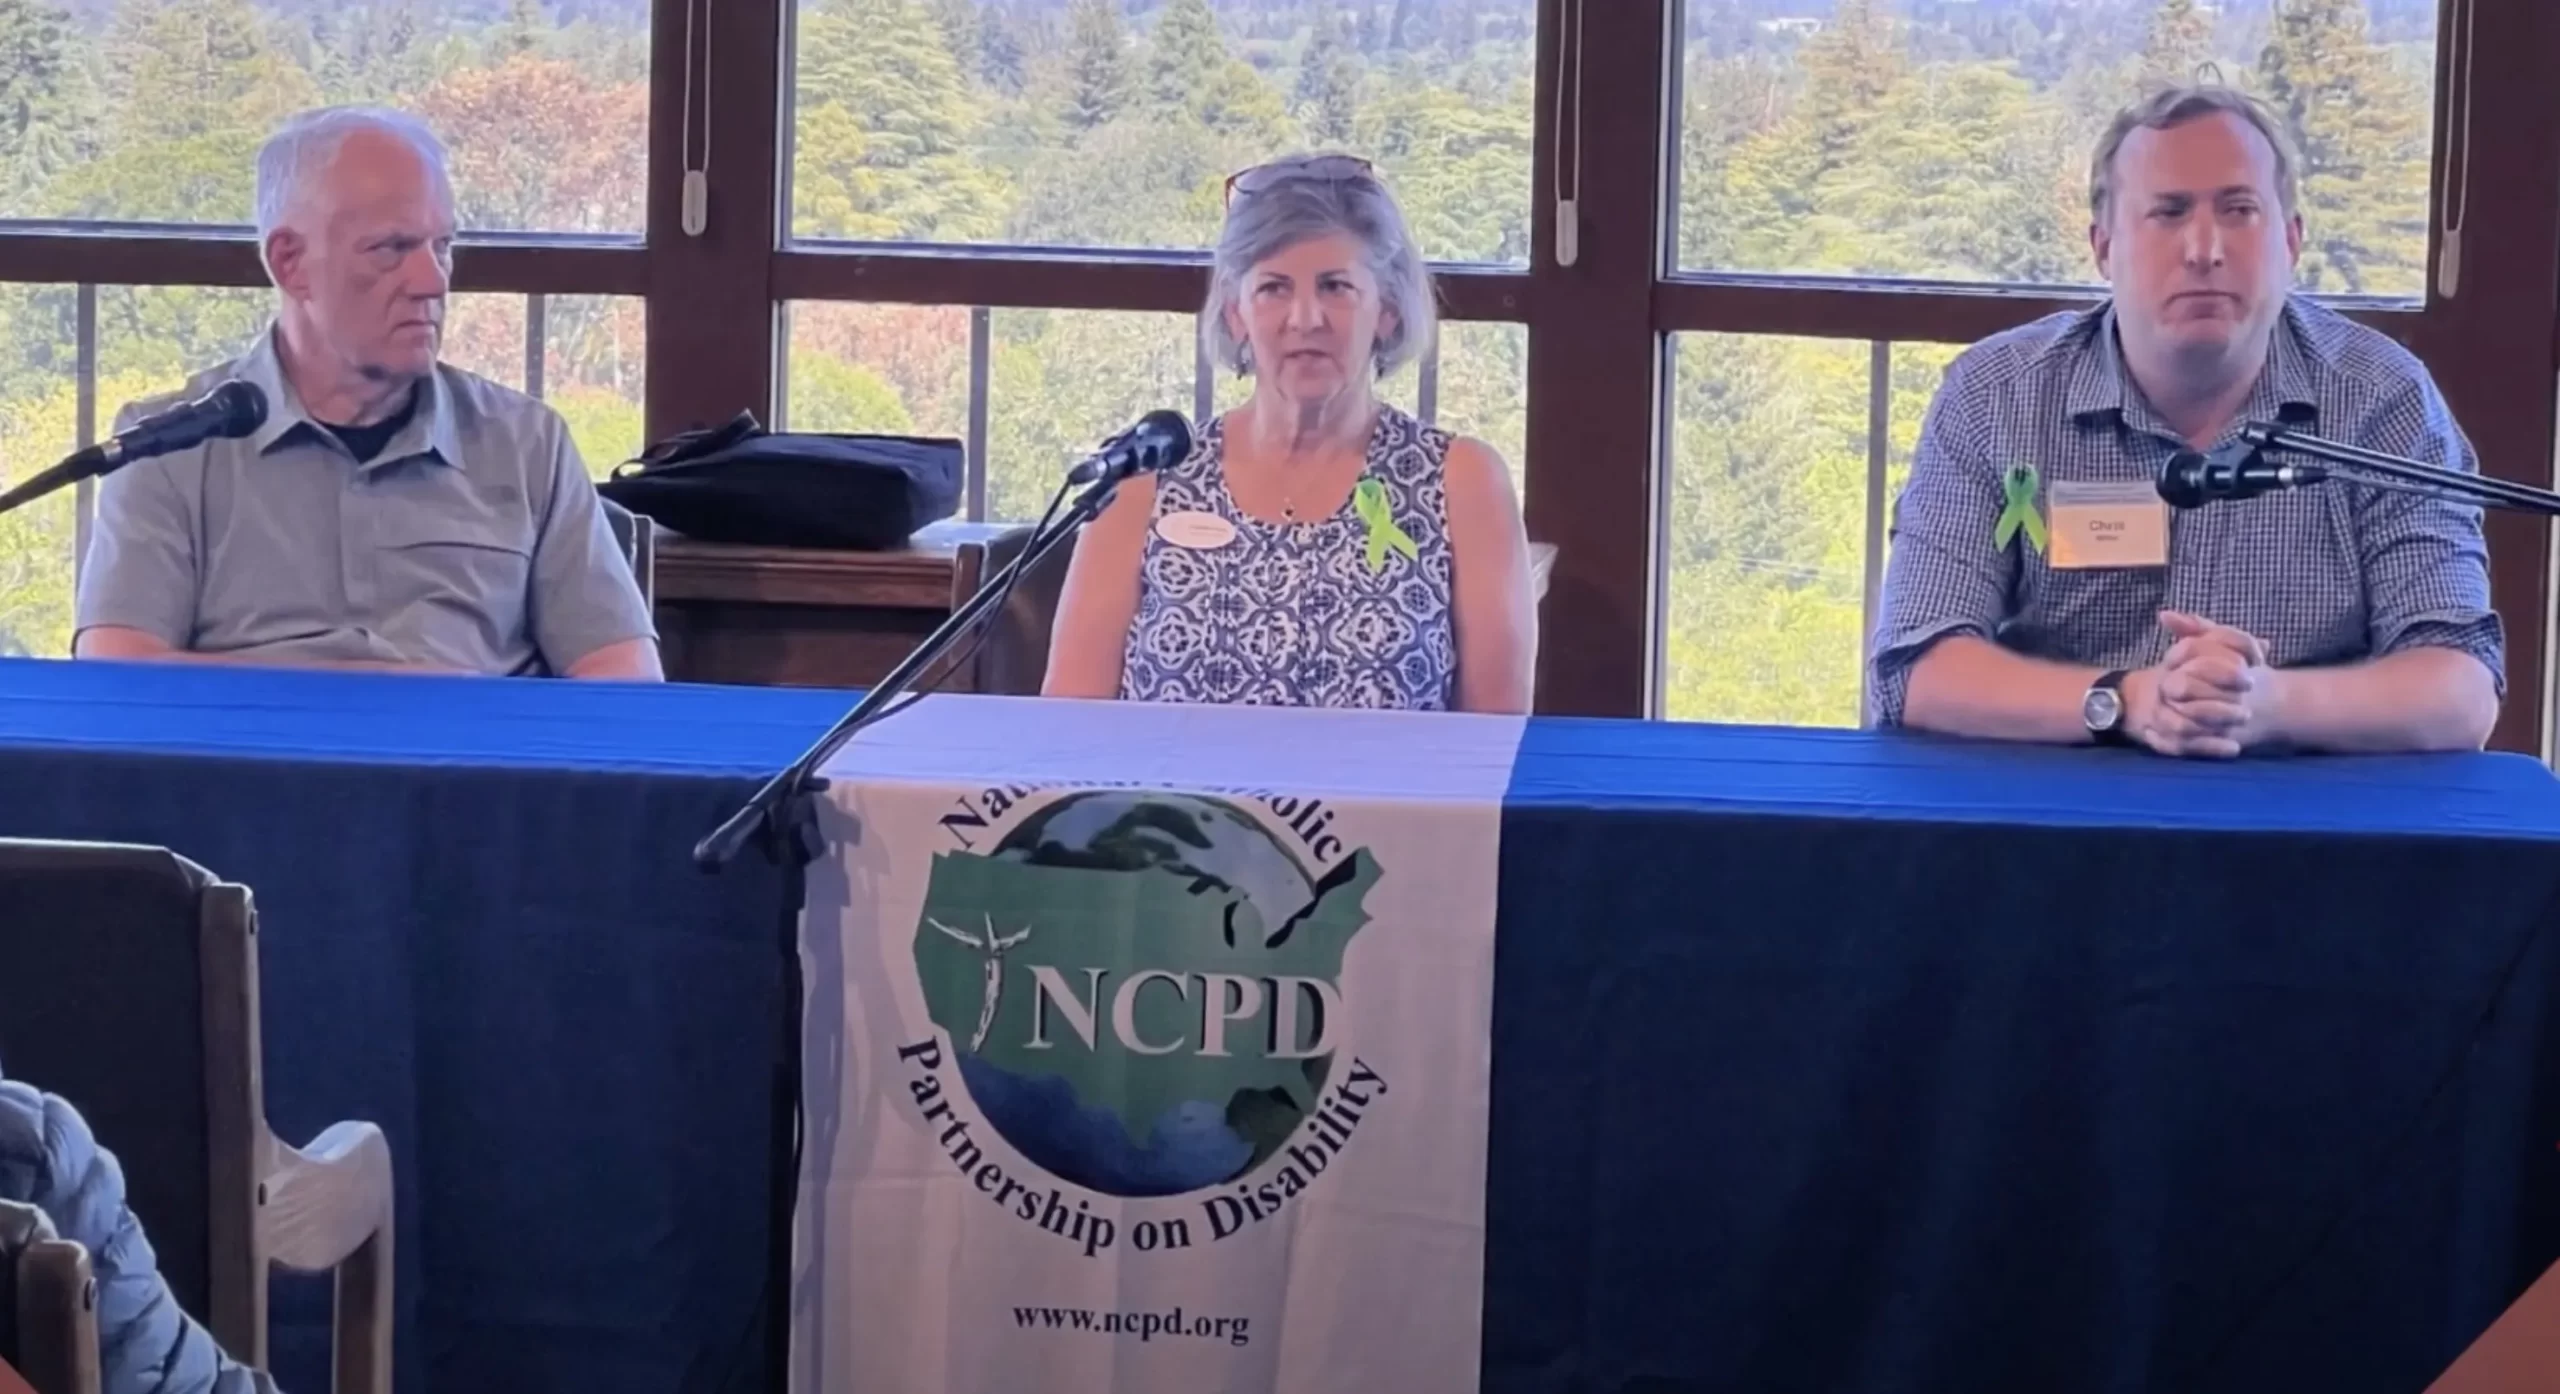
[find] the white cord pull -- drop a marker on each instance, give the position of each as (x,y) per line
(697,202)
(697,175)
(2458,206)
(1569,78)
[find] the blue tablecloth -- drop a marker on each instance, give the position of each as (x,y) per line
(480,927)
(1822,1061)
(1833,1062)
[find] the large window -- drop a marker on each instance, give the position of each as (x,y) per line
(131,123)
(1785,454)
(1702,262)
(1887,144)
(1950,139)
(39,408)
(584,354)
(1115,123)
(150,111)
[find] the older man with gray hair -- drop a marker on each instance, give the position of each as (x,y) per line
(393,512)
(2040,590)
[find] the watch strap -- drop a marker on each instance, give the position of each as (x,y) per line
(2113,733)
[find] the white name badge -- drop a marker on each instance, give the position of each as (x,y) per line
(1198,532)
(2097,526)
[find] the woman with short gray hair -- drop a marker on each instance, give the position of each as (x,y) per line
(1319,547)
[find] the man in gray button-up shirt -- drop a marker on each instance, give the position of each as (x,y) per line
(393,512)
(2038,590)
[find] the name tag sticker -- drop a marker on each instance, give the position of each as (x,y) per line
(2101,525)
(1197,532)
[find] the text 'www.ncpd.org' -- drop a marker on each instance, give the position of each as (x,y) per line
(1146,1326)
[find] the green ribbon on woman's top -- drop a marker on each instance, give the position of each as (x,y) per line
(2020,488)
(1379,517)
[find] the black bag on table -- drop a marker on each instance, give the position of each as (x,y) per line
(741,483)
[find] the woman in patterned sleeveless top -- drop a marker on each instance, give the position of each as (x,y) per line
(1319,547)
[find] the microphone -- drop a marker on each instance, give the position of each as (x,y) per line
(229,411)
(233,409)
(2192,480)
(1160,440)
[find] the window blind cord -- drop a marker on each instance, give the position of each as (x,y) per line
(2457,201)
(1568,188)
(697,174)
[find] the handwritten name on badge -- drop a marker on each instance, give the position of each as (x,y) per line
(1197,532)
(2101,525)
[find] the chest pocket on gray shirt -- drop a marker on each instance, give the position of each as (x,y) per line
(455,572)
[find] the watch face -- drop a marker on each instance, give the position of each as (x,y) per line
(2102,709)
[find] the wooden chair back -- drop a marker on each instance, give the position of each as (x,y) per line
(636,535)
(1012,656)
(48,1308)
(140,1007)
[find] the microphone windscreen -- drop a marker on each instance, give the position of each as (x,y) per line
(1163,438)
(244,407)
(2181,482)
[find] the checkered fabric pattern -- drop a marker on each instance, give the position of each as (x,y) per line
(2325,575)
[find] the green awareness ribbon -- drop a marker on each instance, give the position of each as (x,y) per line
(2020,487)
(1379,517)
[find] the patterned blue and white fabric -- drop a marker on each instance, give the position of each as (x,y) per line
(1292,614)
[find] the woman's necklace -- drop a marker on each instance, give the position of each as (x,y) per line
(1289,479)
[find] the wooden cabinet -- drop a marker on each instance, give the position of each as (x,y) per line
(794,617)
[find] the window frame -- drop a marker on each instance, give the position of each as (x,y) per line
(1596,330)
(2493,348)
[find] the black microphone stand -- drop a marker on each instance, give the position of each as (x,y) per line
(780,811)
(74,468)
(2404,475)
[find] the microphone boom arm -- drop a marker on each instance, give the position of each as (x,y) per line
(777,810)
(2405,475)
(781,810)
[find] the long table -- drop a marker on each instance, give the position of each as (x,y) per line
(1821,1060)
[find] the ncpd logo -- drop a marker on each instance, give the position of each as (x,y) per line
(1140,992)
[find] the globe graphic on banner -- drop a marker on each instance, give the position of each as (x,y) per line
(1140,987)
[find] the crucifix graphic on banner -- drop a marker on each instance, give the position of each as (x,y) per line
(994,948)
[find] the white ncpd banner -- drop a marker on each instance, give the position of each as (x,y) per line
(1158,1062)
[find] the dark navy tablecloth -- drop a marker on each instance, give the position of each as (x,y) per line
(1835,1062)
(1823,1061)
(480,927)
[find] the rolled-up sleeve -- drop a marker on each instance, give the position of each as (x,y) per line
(1943,576)
(2426,564)
(141,570)
(584,595)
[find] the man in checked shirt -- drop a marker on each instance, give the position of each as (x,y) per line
(2040,591)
